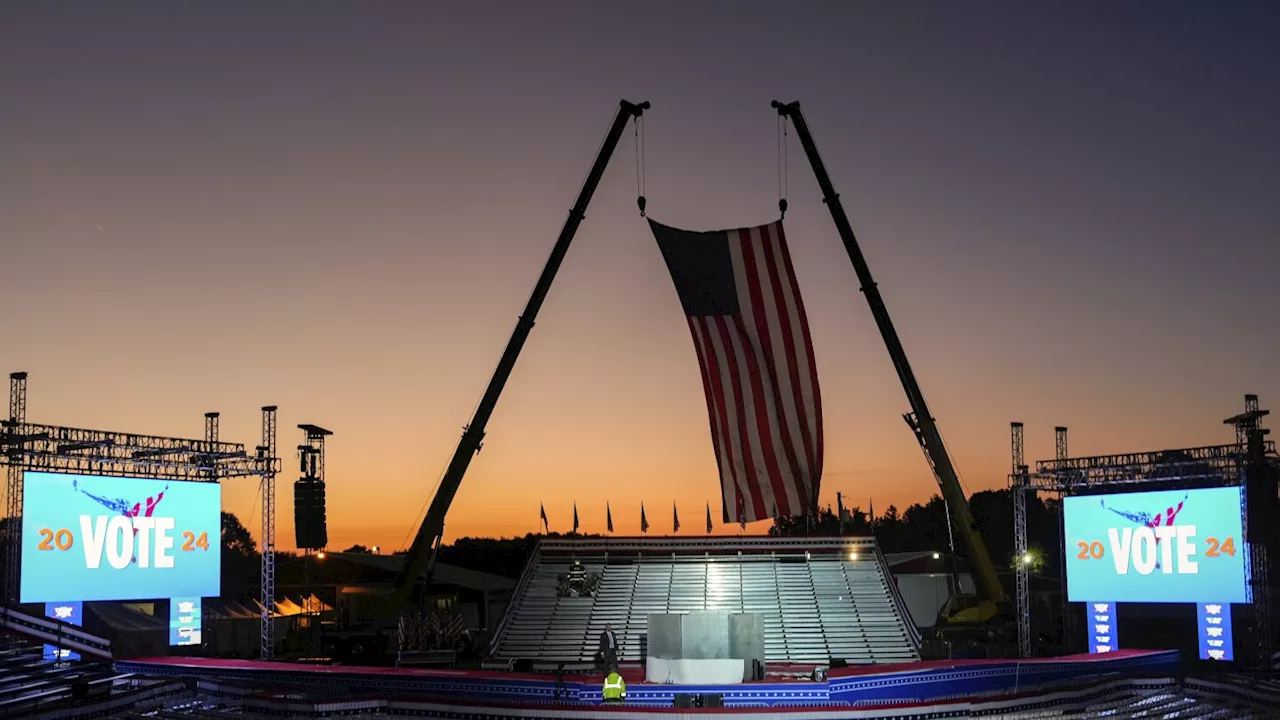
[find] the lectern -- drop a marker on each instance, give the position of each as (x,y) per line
(704,648)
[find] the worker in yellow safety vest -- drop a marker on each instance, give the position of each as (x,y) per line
(615,688)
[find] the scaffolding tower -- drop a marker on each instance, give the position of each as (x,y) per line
(267,449)
(311,453)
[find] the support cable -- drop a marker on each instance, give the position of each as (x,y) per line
(782,166)
(640,169)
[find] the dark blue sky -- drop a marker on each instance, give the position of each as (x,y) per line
(340,209)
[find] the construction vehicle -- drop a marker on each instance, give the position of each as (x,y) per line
(989,612)
(383,618)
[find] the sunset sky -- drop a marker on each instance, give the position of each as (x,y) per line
(340,209)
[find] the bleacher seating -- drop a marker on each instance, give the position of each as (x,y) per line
(819,598)
(31,685)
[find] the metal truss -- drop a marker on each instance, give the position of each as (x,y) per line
(1223,462)
(1021,572)
(53,448)
(268,584)
(1222,465)
(1260,578)
(13,491)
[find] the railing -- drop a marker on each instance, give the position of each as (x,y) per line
(427,658)
(708,546)
(517,596)
(63,635)
(913,632)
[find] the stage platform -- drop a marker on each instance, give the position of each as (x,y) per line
(918,685)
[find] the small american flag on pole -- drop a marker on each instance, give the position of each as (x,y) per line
(742,301)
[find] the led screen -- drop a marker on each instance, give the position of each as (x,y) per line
(67,612)
(184,621)
(108,538)
(1102,627)
(1168,546)
(1213,621)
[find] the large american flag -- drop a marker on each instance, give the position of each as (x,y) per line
(742,301)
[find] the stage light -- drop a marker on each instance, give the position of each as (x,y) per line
(853,556)
(1026,559)
(936,556)
(320,556)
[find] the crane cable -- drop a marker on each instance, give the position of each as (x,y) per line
(782,166)
(640,169)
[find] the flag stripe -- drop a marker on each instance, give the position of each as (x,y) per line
(808,397)
(709,385)
(765,422)
(739,431)
(787,323)
(762,340)
(813,404)
(762,422)
(717,408)
(751,416)
(733,468)
(784,352)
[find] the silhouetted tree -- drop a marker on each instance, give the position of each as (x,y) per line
(236,537)
(826,523)
(500,556)
(858,522)
(241,563)
(359,550)
(993,514)
(925,526)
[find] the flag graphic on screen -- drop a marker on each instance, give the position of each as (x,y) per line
(124,507)
(741,299)
(1147,519)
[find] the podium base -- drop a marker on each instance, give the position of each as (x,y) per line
(684,671)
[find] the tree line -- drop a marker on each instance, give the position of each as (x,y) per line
(925,527)
(920,527)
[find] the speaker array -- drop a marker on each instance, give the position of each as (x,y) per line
(309,525)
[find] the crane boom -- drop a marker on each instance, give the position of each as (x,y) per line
(421,556)
(921,421)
